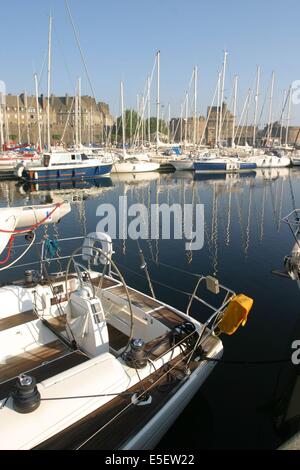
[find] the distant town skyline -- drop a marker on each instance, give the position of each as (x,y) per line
(120,40)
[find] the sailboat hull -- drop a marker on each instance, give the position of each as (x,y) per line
(222,166)
(66,173)
(155,429)
(134,167)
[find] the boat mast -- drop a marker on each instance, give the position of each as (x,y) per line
(235,84)
(142,120)
(186,118)
(137,128)
(169,122)
(158,100)
(130,129)
(181,115)
(282,117)
(38,112)
(149,111)
(18,118)
(79,111)
(49,84)
(1,122)
(288,117)
(27,122)
(218,107)
(256,104)
(270,109)
(195,104)
(76,118)
(123,117)
(222,96)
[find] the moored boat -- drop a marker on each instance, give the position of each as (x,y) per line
(64,166)
(131,165)
(90,363)
(223,165)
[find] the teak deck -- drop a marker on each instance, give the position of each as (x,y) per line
(33,358)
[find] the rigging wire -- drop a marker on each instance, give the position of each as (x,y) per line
(101,114)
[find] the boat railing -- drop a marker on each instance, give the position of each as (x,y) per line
(212,285)
(293,221)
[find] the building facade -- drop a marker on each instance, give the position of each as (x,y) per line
(20,119)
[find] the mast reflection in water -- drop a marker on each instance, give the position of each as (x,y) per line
(238,406)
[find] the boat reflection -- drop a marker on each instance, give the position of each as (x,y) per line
(63,186)
(135,178)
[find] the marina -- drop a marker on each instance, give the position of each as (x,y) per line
(258,243)
(149,231)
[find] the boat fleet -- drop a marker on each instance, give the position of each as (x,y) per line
(85,163)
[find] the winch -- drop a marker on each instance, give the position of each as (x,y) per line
(25,395)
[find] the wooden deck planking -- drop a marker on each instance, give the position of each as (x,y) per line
(117,339)
(45,371)
(28,360)
(137,298)
(104,282)
(123,423)
(58,323)
(16,320)
(167,317)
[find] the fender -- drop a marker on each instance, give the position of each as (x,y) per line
(88,254)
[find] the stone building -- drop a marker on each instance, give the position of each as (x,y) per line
(213,115)
(244,135)
(20,119)
(277,135)
(181,129)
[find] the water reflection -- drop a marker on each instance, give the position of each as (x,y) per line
(244,241)
(239,208)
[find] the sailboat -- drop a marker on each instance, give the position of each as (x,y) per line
(25,219)
(127,163)
(61,165)
(90,363)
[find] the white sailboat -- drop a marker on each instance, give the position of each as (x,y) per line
(127,163)
(87,362)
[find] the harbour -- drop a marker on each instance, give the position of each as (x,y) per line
(243,254)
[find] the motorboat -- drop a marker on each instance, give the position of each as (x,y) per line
(64,166)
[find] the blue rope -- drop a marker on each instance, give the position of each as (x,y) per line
(51,247)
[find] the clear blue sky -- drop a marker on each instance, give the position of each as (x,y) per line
(120,39)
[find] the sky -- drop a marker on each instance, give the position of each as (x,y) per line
(120,38)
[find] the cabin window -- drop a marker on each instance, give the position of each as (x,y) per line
(73,157)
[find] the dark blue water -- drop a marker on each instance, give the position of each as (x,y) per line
(244,240)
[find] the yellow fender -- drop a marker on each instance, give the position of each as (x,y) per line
(235,314)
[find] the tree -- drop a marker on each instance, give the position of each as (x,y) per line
(132,122)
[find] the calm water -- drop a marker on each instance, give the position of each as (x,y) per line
(244,241)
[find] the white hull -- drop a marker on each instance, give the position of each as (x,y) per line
(182,164)
(296,161)
(151,434)
(270,161)
(15,218)
(134,167)
(67,350)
